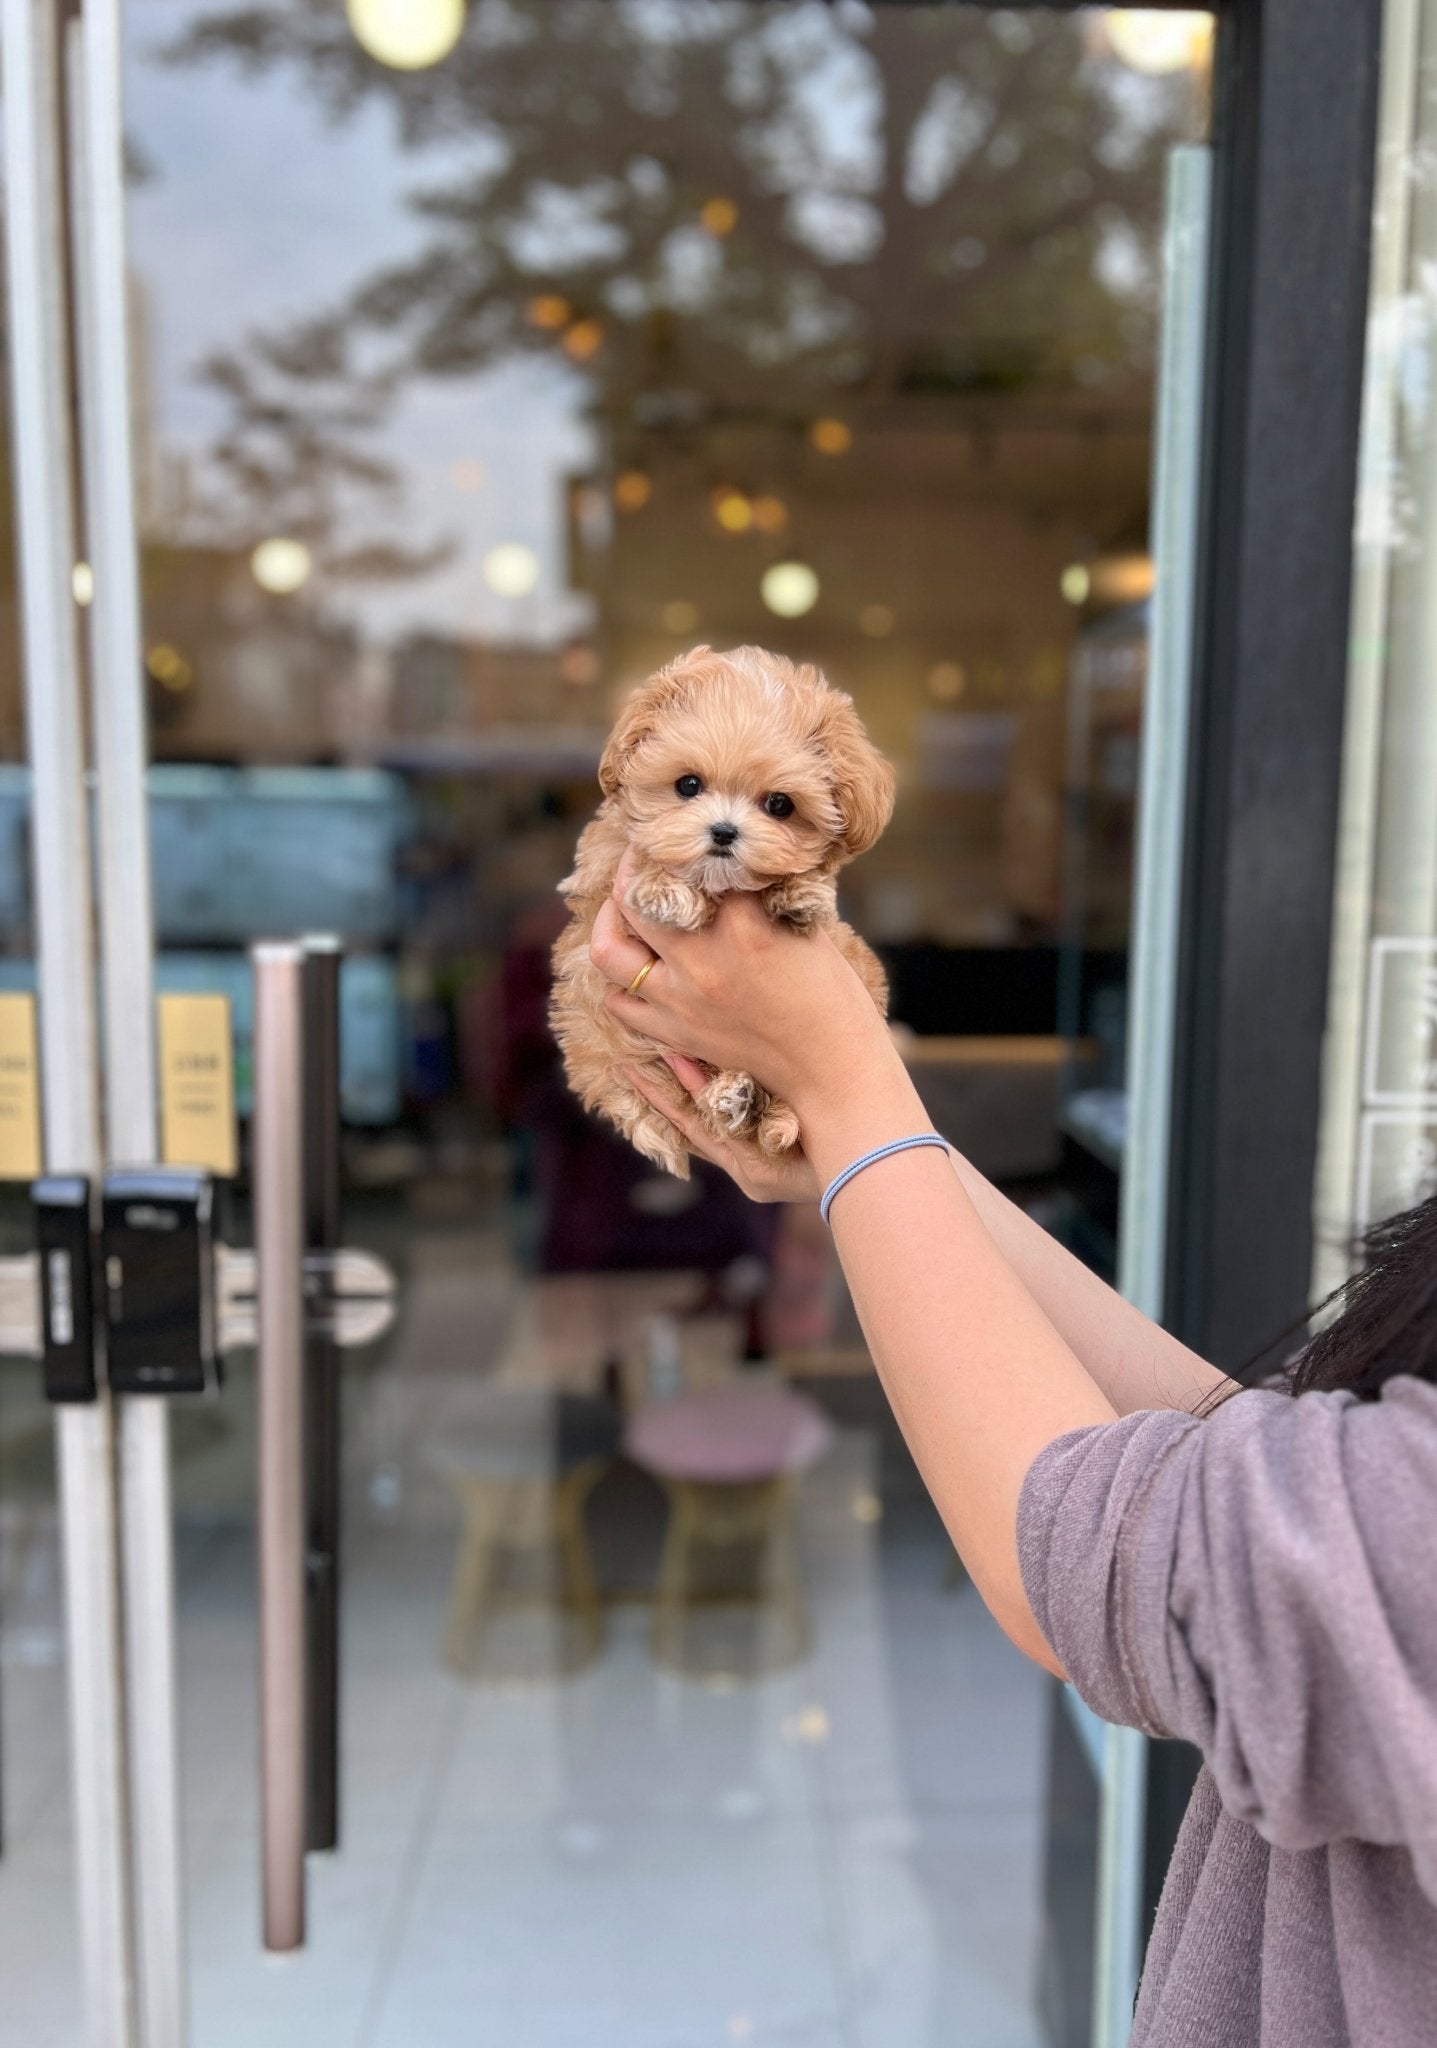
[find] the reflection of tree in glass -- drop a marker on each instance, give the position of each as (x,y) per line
(721,210)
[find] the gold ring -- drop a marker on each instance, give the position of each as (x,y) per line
(643,974)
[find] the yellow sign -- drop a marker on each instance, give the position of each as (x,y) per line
(19,1090)
(197,1083)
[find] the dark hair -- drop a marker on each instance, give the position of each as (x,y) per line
(1388,1321)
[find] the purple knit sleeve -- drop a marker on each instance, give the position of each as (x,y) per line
(1261,1584)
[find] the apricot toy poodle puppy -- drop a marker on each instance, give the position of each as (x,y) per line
(724,771)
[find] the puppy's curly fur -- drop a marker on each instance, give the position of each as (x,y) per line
(725,771)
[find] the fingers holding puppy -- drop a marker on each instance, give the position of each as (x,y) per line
(613,947)
(789,1178)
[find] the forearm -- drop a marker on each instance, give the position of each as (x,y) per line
(1135,1362)
(978,1376)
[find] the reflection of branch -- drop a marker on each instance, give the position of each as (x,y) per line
(635,128)
(293,458)
(382,561)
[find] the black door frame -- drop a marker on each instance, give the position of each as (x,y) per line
(1295,143)
(1295,118)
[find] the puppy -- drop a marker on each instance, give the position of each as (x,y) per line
(725,771)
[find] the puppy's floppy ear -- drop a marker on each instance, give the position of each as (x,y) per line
(641,713)
(863,782)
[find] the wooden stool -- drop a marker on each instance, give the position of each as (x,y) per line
(523,1474)
(729,1460)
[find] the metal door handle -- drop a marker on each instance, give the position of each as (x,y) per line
(349,1296)
(345,1292)
(279,1292)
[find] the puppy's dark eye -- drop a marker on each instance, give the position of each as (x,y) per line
(778,805)
(689,785)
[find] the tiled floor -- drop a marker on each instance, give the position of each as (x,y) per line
(843,1855)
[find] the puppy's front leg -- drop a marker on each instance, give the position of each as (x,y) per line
(657,894)
(802,901)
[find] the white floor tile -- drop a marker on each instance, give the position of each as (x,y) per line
(314,1998)
(649,1934)
(939,1932)
(39,1964)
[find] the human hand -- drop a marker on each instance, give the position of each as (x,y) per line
(787,1178)
(747,996)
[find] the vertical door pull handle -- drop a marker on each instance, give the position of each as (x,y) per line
(279,1254)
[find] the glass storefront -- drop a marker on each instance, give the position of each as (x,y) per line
(466,392)
(1379,1132)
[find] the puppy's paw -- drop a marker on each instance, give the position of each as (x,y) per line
(777,1129)
(732,1103)
(668,901)
(802,901)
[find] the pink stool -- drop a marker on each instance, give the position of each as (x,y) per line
(729,1460)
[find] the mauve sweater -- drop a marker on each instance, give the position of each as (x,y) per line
(1264,1584)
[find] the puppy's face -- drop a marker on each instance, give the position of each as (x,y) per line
(737,770)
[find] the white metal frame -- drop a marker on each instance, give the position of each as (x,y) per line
(1380,842)
(114,1455)
(45,522)
(94,70)
(1152,985)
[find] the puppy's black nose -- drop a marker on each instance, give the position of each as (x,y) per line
(723,833)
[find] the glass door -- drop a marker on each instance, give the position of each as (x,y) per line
(481,359)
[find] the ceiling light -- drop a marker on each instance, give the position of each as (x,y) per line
(770,514)
(831,437)
(632,490)
(718,217)
(280,566)
(1075,583)
(511,569)
(733,511)
(584,339)
(946,681)
(548,311)
(82,583)
(169,669)
(407,35)
(1158,41)
(1122,579)
(789,589)
(679,616)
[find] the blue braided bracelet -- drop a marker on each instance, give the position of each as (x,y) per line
(841,1180)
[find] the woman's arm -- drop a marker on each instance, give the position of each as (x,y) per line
(979,1378)
(1135,1362)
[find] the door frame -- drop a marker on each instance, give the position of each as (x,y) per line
(1295,137)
